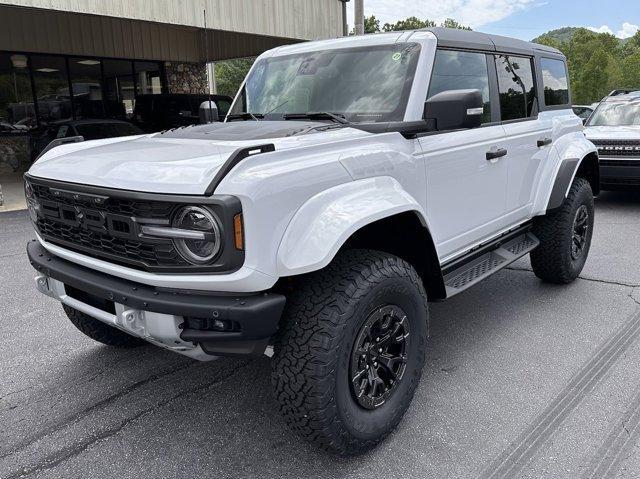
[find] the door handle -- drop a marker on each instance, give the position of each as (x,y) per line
(492,155)
(544,142)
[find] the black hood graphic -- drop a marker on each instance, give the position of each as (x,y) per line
(247,130)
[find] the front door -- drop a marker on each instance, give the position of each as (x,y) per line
(466,189)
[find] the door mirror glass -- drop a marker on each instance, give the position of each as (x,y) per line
(454,110)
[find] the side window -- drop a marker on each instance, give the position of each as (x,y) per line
(455,70)
(516,87)
(554,82)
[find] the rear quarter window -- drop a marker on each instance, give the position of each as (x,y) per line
(554,82)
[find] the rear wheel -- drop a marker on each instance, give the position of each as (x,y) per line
(565,236)
(350,351)
(101,332)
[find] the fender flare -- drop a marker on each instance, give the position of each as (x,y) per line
(578,156)
(323,224)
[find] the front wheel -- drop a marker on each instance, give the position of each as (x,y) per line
(350,351)
(565,236)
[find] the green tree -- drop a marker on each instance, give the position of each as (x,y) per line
(230,74)
(371,24)
(410,23)
(630,74)
(451,23)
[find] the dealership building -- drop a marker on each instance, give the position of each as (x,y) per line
(72,60)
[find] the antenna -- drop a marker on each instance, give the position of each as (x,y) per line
(206,51)
(206,63)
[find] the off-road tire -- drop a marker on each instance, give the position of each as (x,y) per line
(552,261)
(101,332)
(312,351)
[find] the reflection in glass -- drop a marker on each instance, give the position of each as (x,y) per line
(363,84)
(454,70)
(87,87)
(616,114)
(515,83)
(16,102)
(554,80)
(119,88)
(52,88)
(148,77)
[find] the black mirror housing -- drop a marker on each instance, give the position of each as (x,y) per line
(208,112)
(454,110)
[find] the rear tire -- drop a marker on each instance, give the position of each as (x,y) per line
(565,236)
(101,332)
(329,346)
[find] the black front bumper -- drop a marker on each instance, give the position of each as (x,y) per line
(256,316)
(619,173)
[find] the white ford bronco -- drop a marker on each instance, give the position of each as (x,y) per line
(353,181)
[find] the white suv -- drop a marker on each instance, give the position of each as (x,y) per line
(614,127)
(353,181)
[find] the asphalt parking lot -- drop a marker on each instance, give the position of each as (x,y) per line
(522,379)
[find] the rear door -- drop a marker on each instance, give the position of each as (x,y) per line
(466,191)
(528,134)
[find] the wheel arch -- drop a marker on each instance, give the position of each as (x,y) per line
(576,156)
(372,213)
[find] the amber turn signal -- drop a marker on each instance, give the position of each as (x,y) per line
(238,234)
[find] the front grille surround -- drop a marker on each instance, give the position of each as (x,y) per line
(111,222)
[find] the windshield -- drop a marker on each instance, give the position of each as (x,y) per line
(364,84)
(616,114)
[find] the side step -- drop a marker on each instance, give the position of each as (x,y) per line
(465,274)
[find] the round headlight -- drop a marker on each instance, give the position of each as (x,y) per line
(204,247)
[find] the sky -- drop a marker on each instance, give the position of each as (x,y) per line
(525,19)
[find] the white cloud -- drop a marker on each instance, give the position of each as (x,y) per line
(474,13)
(602,29)
(628,30)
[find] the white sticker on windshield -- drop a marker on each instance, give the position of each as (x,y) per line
(397,57)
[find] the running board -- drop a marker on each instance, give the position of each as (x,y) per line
(480,267)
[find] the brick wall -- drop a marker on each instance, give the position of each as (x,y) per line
(15,155)
(186,77)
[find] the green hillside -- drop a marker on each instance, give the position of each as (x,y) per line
(598,62)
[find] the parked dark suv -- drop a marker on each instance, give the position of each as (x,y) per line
(88,129)
(162,112)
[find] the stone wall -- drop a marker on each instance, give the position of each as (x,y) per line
(15,154)
(186,77)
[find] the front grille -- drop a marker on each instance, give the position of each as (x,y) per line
(615,148)
(627,163)
(113,235)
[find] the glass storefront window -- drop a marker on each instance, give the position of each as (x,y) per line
(16,98)
(86,83)
(148,76)
(119,88)
(52,88)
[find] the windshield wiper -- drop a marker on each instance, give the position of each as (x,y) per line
(317,115)
(245,116)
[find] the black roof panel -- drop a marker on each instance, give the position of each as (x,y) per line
(455,38)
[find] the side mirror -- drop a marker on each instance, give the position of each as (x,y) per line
(208,112)
(584,120)
(454,110)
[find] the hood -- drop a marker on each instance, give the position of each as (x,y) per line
(613,132)
(179,161)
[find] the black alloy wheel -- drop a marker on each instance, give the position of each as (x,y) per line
(379,356)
